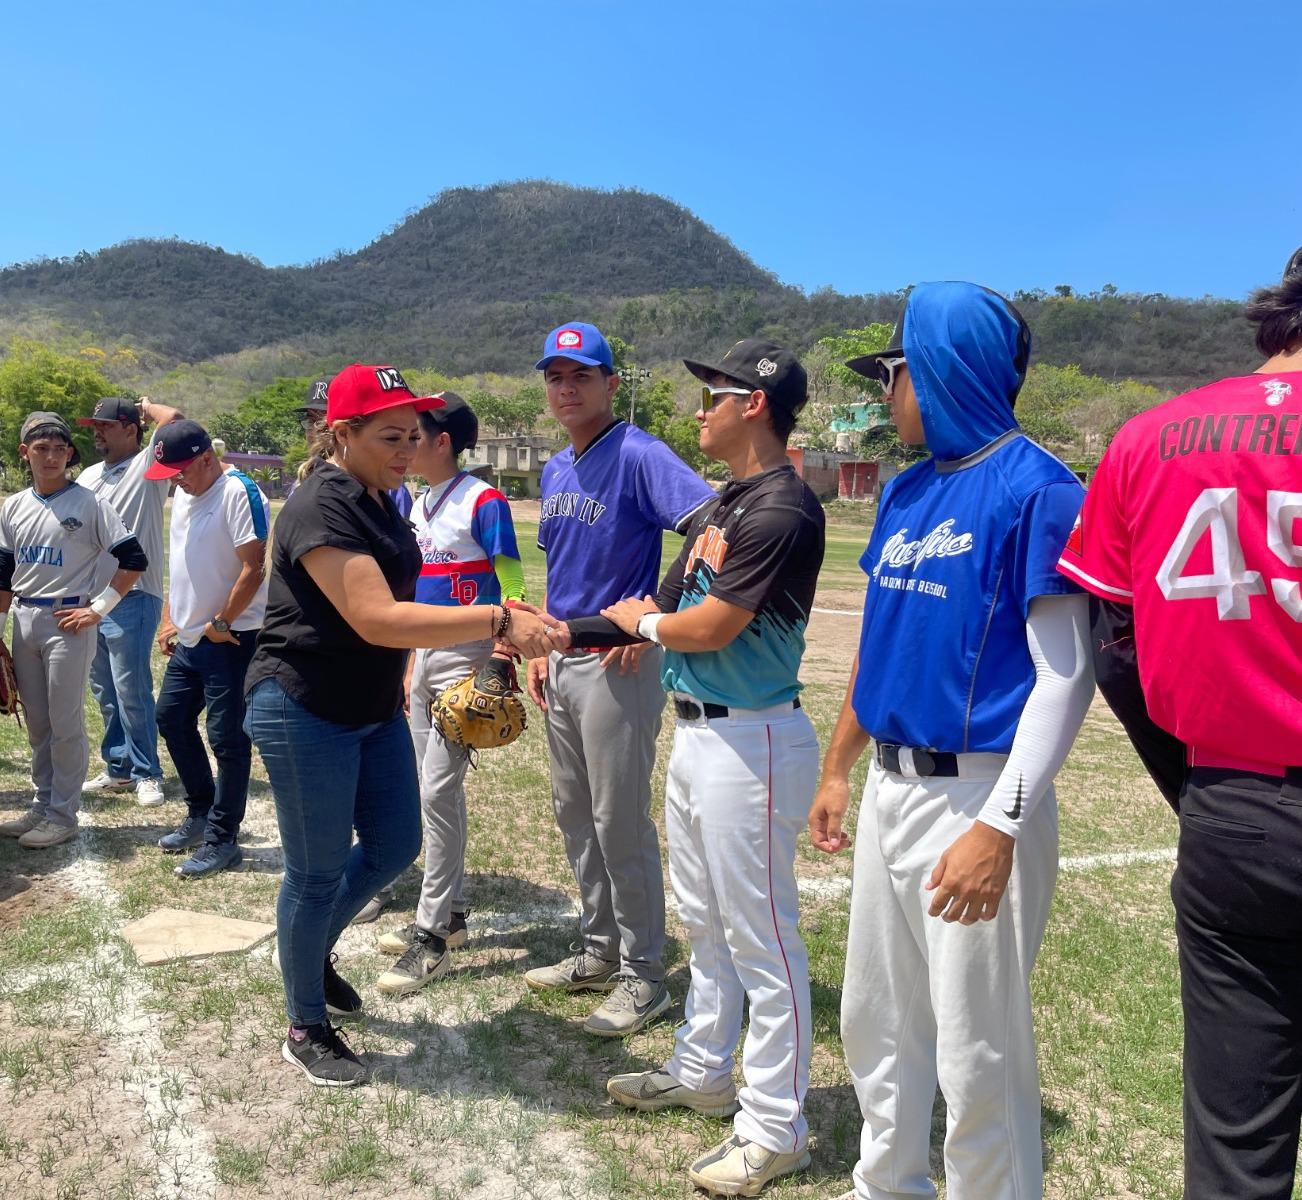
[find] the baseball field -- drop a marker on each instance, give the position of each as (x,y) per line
(122,1081)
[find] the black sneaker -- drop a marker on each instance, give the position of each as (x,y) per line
(185,836)
(424,961)
(321,1053)
(341,997)
(457,931)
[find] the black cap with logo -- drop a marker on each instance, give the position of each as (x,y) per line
(763,365)
(316,397)
(113,408)
(869,366)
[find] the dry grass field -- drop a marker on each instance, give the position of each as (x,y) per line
(119,1081)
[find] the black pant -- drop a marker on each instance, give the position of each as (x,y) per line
(1238,903)
(209,675)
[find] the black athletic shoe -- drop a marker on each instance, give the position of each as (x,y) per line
(321,1053)
(185,836)
(457,931)
(341,997)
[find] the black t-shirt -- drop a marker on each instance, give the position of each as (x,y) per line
(759,547)
(306,646)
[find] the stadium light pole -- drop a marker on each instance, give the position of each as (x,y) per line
(633,376)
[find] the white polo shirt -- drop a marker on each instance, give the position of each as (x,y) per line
(206,531)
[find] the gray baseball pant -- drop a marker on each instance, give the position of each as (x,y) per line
(52,668)
(601,730)
(442,784)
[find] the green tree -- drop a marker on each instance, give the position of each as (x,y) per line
(34,377)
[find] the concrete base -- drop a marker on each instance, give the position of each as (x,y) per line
(168,934)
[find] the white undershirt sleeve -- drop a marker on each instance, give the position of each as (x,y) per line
(1058,637)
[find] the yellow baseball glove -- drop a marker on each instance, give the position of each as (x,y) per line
(483,709)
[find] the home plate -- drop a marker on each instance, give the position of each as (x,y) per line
(171,933)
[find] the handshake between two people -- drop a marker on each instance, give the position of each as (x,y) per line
(535,633)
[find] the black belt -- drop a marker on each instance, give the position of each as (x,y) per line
(694,710)
(925,762)
(50,602)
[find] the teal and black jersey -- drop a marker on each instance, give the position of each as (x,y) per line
(758,546)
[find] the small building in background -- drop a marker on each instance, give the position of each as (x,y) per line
(515,463)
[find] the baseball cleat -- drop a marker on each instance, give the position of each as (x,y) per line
(632,1006)
(458,933)
(581,972)
(650,1091)
(737,1167)
(397,941)
(424,961)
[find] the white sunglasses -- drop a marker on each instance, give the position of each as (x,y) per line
(710,394)
(885,374)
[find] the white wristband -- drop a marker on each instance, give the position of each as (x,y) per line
(106,602)
(646,627)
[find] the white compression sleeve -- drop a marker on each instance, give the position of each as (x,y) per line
(1058,637)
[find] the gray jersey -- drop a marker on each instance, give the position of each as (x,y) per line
(57,541)
(139,502)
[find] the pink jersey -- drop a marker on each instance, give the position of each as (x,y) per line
(1193,517)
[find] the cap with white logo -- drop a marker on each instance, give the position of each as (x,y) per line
(580,342)
(360,390)
(762,365)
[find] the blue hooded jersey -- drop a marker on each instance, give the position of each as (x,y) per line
(963,541)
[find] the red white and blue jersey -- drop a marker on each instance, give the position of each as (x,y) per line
(603,513)
(461,526)
(1192,518)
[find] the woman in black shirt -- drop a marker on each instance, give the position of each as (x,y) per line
(325,702)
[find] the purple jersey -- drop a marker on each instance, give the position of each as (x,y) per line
(602,517)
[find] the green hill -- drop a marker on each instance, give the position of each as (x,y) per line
(471,281)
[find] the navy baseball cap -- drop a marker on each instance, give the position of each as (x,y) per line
(113,408)
(581,342)
(176,446)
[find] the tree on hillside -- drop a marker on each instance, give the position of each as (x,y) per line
(34,377)
(266,422)
(517,413)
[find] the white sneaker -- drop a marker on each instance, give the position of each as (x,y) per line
(104,782)
(149,793)
(737,1167)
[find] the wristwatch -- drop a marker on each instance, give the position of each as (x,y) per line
(220,626)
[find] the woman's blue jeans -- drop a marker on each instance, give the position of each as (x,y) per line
(328,780)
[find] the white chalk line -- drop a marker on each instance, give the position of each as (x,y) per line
(182,1148)
(826,888)
(839,612)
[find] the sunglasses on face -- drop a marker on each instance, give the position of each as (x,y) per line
(710,395)
(885,373)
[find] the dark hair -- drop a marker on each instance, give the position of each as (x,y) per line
(783,421)
(1277,312)
(321,444)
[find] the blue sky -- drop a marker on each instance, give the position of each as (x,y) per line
(1150,144)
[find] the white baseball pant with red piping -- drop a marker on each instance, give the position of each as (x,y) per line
(736,800)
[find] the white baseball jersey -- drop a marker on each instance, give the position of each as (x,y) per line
(57,541)
(139,502)
(206,530)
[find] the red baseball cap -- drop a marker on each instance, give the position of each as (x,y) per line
(360,390)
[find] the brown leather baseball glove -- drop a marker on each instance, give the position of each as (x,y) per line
(483,709)
(11,704)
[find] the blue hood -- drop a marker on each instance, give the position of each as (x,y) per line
(966,352)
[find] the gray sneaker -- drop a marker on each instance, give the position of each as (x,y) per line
(374,907)
(632,1005)
(650,1091)
(582,972)
(21,825)
(424,961)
